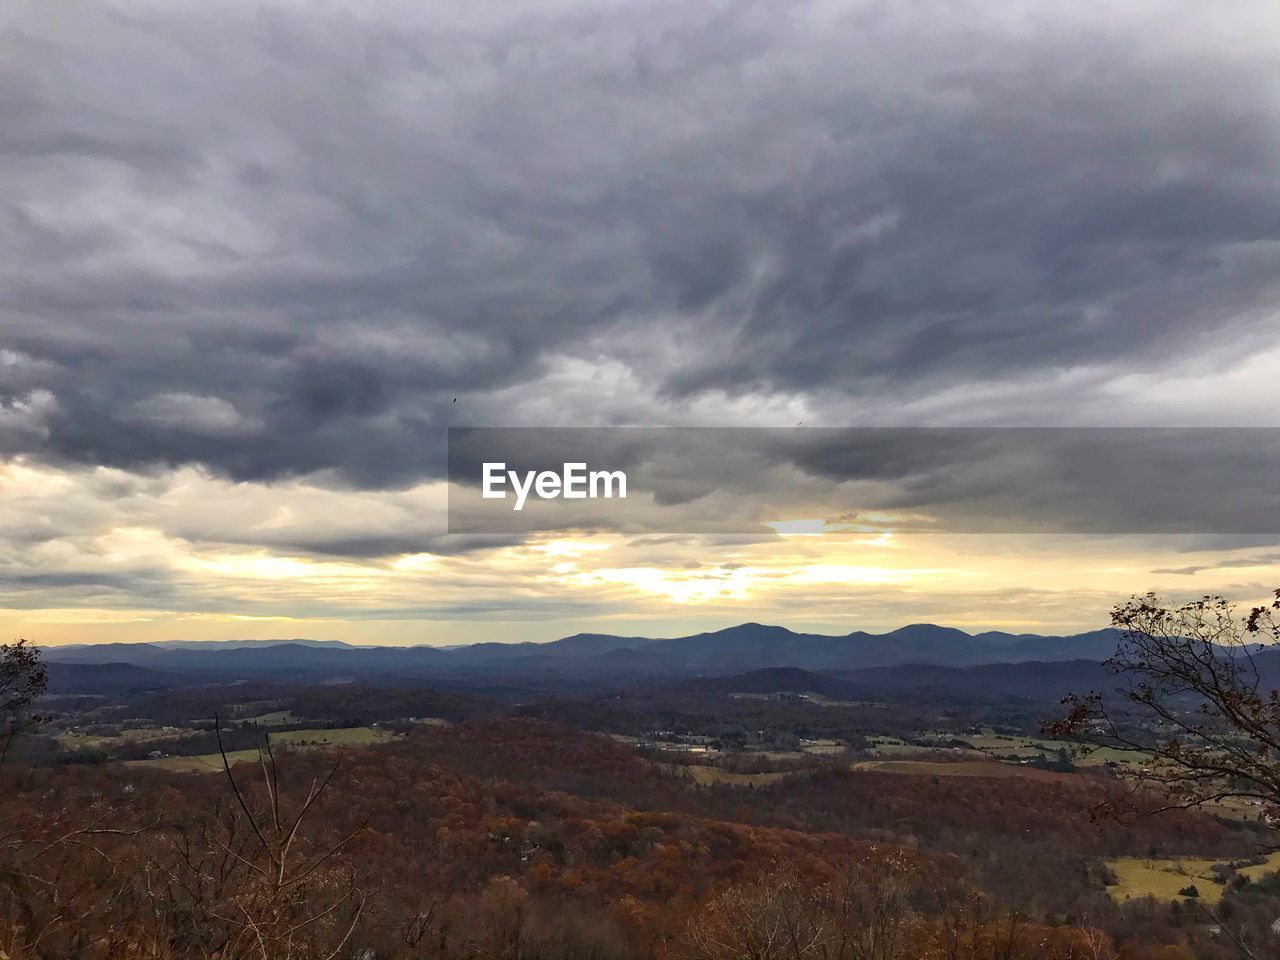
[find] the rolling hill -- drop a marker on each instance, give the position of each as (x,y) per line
(734,650)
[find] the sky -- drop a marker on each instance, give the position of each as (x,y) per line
(257,258)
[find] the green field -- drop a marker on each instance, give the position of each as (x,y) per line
(278,718)
(1100,755)
(1162,879)
(296,739)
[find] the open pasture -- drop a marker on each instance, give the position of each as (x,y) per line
(294,739)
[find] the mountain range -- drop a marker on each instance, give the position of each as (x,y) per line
(584,656)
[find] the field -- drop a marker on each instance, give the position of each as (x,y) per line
(277,718)
(893,747)
(74,740)
(1030,747)
(1102,755)
(822,748)
(993,744)
(1162,879)
(960,768)
(304,739)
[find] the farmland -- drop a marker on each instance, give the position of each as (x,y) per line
(1165,879)
(292,739)
(957,768)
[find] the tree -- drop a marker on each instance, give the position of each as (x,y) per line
(1201,687)
(780,918)
(1200,701)
(867,912)
(22,679)
(278,896)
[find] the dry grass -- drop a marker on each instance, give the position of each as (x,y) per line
(960,768)
(1142,877)
(75,740)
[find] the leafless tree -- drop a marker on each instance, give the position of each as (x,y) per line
(23,679)
(864,914)
(778,918)
(1199,708)
(279,899)
(57,879)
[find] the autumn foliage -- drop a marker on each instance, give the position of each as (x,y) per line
(518,839)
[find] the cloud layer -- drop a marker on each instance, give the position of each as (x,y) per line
(256,256)
(277,240)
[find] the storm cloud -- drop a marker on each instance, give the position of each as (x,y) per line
(278,240)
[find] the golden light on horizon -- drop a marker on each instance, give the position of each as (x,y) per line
(184,554)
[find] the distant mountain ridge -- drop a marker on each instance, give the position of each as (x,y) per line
(733,650)
(238,644)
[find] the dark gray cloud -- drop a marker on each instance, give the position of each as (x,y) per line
(1262,560)
(104,589)
(376,545)
(279,241)
(1201,481)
